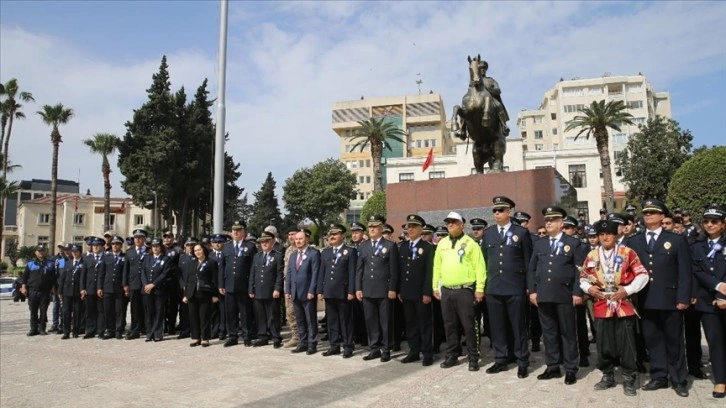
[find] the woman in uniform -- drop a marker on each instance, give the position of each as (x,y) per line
(199,293)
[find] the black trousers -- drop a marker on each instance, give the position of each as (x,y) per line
(481,319)
(457,309)
(438,327)
(113,307)
(714,325)
(663,333)
(559,335)
(419,327)
(183,314)
(38,301)
(94,314)
(200,314)
(71,314)
(219,317)
(268,319)
(376,311)
(397,320)
(360,334)
(506,315)
(340,322)
(535,328)
(137,312)
(306,315)
(154,314)
(583,341)
(173,296)
(239,313)
(616,343)
(692,324)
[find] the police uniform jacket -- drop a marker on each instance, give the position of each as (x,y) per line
(235,266)
(301,281)
(132,267)
(708,272)
(377,269)
(40,275)
(184,261)
(670,269)
(94,269)
(201,277)
(155,270)
(69,280)
(266,277)
(416,270)
(173,254)
(555,277)
(336,276)
(111,276)
(507,259)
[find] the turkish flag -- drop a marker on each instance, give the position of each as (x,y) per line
(429,160)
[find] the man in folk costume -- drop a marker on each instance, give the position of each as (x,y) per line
(611,274)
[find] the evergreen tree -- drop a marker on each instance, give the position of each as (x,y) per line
(265,210)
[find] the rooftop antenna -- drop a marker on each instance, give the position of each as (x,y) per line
(419,81)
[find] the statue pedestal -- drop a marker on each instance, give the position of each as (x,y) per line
(471,196)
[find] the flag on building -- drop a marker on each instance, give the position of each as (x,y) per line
(429,160)
(75,205)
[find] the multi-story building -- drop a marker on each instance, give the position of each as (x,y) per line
(421,117)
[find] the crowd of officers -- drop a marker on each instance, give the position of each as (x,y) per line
(638,282)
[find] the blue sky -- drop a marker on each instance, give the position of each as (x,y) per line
(288,62)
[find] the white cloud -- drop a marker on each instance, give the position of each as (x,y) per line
(288,62)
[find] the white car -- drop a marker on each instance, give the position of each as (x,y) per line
(7,287)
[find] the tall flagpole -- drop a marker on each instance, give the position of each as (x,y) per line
(218,210)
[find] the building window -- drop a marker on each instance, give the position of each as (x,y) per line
(43,240)
(405,177)
(573,91)
(583,207)
(635,104)
(368,163)
(635,88)
(524,148)
(537,119)
(361,196)
(539,146)
(617,154)
(368,179)
(554,131)
(360,163)
(574,108)
(553,116)
(638,121)
(594,91)
(437,175)
(78,240)
(620,138)
(578,177)
(538,134)
(523,122)
(524,135)
(79,219)
(111,220)
(138,219)
(43,218)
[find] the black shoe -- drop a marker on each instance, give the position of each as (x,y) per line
(32,333)
(119,336)
(584,362)
(629,387)
(681,389)
(75,335)
(536,347)
(108,336)
(132,336)
(449,362)
(473,365)
(718,394)
(347,353)
(607,381)
(158,340)
(570,378)
(148,339)
(427,361)
(496,368)
(65,337)
(698,373)
(42,332)
(550,374)
(183,336)
(300,349)
(385,357)
(88,336)
(222,337)
(277,344)
(195,343)
(653,385)
(410,358)
(260,343)
(331,351)
(230,343)
(311,350)
(248,343)
(640,367)
(397,347)
(54,329)
(522,372)
(372,355)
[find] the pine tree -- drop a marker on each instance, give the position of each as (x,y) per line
(266,210)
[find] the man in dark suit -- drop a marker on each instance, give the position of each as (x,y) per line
(132,282)
(360,335)
(376,285)
(110,289)
(185,259)
(301,285)
(219,310)
(667,257)
(416,262)
(336,283)
(553,282)
(265,286)
(234,281)
(90,284)
(173,295)
(507,249)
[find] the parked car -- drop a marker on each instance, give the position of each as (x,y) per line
(7,287)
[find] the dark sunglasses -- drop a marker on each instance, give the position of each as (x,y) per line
(710,221)
(498,210)
(542,233)
(650,212)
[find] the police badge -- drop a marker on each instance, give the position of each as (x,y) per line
(384,250)
(567,248)
(667,245)
(515,238)
(345,252)
(420,251)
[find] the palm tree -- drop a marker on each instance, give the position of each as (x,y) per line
(595,120)
(104,144)
(54,116)
(10,110)
(377,133)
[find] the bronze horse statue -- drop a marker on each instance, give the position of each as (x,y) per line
(481,118)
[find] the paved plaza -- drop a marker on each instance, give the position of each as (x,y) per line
(44,371)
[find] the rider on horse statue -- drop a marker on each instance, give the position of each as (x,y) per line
(491,85)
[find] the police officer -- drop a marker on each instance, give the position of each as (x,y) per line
(553,282)
(360,335)
(336,283)
(234,284)
(110,289)
(90,284)
(185,260)
(173,294)
(60,260)
(416,262)
(219,309)
(265,287)
(301,285)
(132,282)
(376,285)
(667,257)
(571,228)
(481,315)
(507,249)
(427,233)
(38,281)
(459,280)
(154,274)
(69,291)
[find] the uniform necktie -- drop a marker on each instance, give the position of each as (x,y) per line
(265,259)
(552,245)
(501,232)
(710,244)
(375,244)
(97,258)
(298,262)
(236,248)
(651,241)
